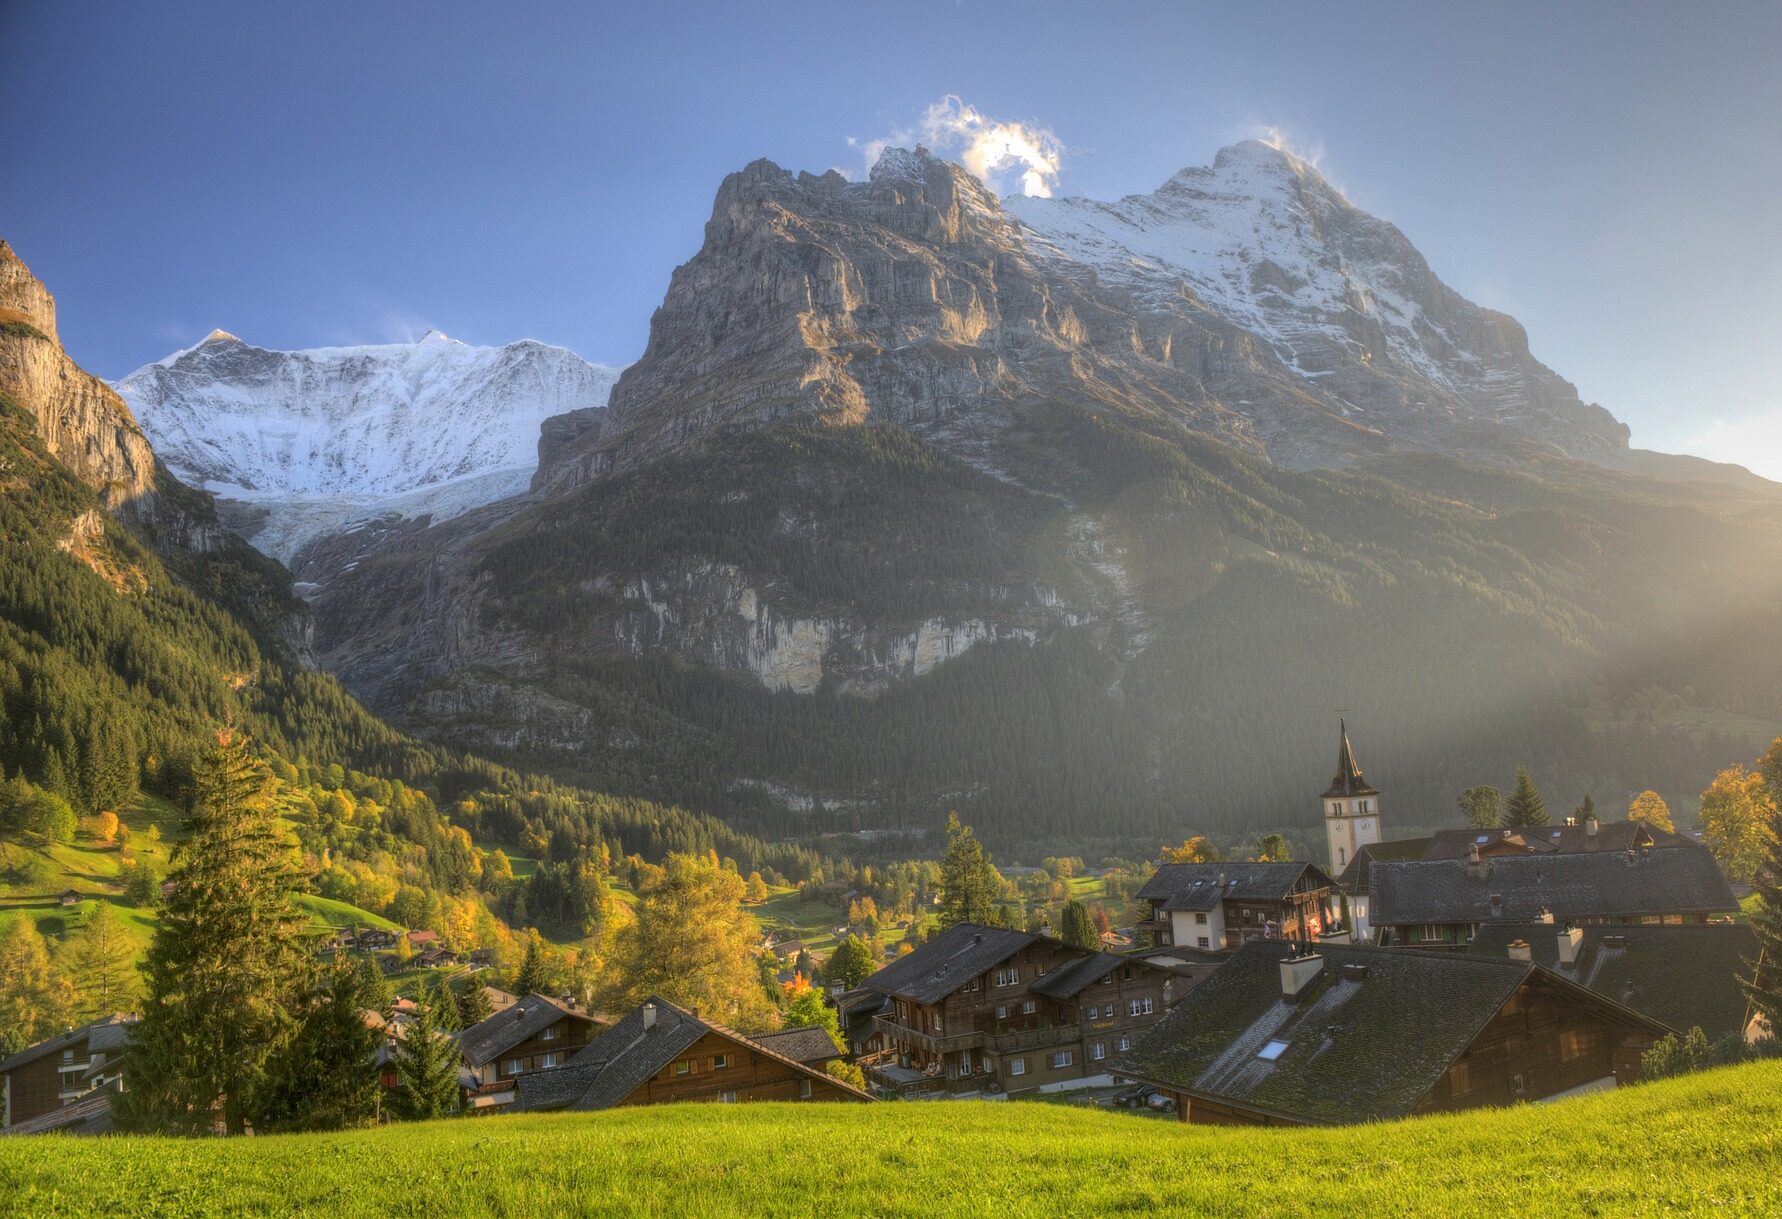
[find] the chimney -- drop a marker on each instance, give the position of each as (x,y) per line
(1520,951)
(1298,973)
(1570,940)
(1590,824)
(1544,916)
(649,1016)
(1476,867)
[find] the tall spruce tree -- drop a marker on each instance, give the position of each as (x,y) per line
(228,974)
(1525,806)
(426,1064)
(1077,929)
(531,977)
(1763,985)
(970,886)
(325,1078)
(473,1003)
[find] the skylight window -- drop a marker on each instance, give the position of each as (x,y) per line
(1272,1051)
(1482,839)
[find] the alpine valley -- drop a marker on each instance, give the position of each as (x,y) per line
(1060,513)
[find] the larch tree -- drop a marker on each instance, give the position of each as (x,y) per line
(33,994)
(970,885)
(1650,807)
(228,972)
(1525,806)
(1482,807)
(691,942)
(1737,813)
(103,965)
(1075,926)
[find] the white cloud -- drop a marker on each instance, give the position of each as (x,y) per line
(1754,442)
(1001,154)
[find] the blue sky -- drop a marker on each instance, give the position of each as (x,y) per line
(323,173)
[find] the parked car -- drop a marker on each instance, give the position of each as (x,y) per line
(1136,1097)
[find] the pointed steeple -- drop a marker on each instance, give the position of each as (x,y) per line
(1349,780)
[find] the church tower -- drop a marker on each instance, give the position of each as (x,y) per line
(1351,809)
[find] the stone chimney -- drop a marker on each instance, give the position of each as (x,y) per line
(1476,867)
(1298,973)
(1520,951)
(649,1016)
(1544,916)
(1570,940)
(1590,824)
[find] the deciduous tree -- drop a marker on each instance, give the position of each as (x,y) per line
(1650,807)
(850,964)
(32,992)
(1737,812)
(1197,849)
(1273,848)
(1482,807)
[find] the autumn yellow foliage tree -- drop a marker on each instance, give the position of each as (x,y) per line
(1650,807)
(1737,812)
(1193,850)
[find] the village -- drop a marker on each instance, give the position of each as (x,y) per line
(1466,969)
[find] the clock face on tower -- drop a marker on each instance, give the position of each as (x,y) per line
(1366,825)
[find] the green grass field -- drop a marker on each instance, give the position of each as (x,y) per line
(1709,1144)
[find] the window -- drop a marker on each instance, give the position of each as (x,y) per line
(547,1061)
(720,1061)
(1342,857)
(549,1034)
(729,1098)
(1272,1051)
(514,1066)
(1061,1059)
(1107,1013)
(1009,976)
(683,1067)
(1573,1044)
(1132,1007)
(1203,942)
(1028,1007)
(1123,1045)
(1200,920)
(1002,1011)
(1460,1079)
(1429,931)
(1098,1051)
(804,1089)
(1017,1066)
(1146,1007)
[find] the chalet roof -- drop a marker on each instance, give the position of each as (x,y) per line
(951,959)
(1354,877)
(1070,980)
(1682,976)
(108,1035)
(1202,886)
(1348,780)
(856,1009)
(615,1064)
(88,1115)
(487,1040)
(1356,1047)
(811,1046)
(1554,839)
(1517,888)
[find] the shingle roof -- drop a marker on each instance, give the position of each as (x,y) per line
(1201,886)
(1554,839)
(1674,880)
(487,1040)
(613,1065)
(941,966)
(110,1034)
(1354,877)
(1356,1048)
(1348,780)
(806,1045)
(1683,977)
(1068,981)
(88,1115)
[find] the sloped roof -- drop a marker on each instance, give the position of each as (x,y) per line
(1348,780)
(1554,839)
(954,957)
(806,1045)
(88,1115)
(1356,1048)
(107,1035)
(615,1064)
(1674,880)
(1681,976)
(1353,878)
(1202,886)
(489,1039)
(1068,981)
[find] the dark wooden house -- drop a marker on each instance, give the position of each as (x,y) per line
(1215,906)
(536,1034)
(1282,1035)
(43,1079)
(662,1054)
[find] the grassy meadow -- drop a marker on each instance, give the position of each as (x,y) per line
(1706,1144)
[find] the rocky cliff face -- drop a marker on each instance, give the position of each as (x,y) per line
(82,421)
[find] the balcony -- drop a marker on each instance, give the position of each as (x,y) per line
(933,1043)
(1014,1041)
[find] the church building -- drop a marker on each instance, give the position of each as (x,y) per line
(1351,809)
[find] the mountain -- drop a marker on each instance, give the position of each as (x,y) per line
(920,500)
(301,443)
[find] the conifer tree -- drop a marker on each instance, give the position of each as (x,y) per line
(325,1078)
(473,1004)
(970,886)
(102,965)
(531,978)
(426,1064)
(32,992)
(1076,928)
(227,972)
(1764,982)
(1525,806)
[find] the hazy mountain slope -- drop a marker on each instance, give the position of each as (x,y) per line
(314,439)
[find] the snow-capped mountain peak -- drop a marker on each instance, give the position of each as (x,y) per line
(367,428)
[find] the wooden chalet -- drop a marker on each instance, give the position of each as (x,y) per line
(987,1010)
(1442,903)
(1283,1035)
(536,1034)
(1682,976)
(1216,906)
(1590,837)
(43,1080)
(663,1054)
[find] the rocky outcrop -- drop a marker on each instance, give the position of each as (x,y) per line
(84,424)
